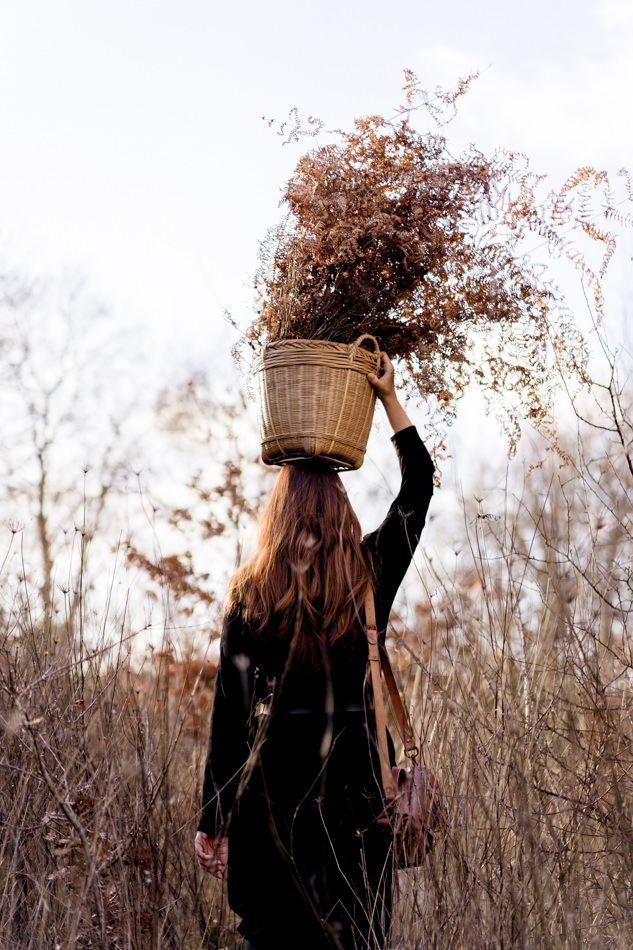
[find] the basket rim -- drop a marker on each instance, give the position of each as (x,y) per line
(353,353)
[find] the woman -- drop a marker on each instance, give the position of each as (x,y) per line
(292,780)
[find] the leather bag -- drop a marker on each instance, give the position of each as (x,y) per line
(412,809)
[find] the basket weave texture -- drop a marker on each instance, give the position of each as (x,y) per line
(314,400)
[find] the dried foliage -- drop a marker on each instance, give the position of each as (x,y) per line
(518,662)
(387,233)
(515,652)
(516,655)
(220,488)
(523,658)
(174,571)
(99,784)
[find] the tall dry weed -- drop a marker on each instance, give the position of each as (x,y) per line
(99,785)
(525,661)
(519,662)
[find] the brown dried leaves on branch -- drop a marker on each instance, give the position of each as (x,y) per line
(388,234)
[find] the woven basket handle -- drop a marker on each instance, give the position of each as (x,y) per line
(361,339)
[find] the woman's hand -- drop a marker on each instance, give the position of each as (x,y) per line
(212,854)
(383,384)
(386,392)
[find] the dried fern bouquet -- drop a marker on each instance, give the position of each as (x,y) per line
(386,233)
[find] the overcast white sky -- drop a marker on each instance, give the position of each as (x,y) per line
(133,149)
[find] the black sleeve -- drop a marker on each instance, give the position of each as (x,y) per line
(392,545)
(228,739)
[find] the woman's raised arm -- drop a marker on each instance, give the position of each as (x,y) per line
(386,392)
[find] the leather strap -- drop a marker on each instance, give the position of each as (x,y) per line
(379,702)
(401,716)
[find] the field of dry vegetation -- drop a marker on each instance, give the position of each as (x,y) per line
(516,655)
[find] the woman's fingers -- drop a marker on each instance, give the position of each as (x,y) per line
(383,384)
(212,854)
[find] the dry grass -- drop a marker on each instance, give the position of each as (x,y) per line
(528,720)
(534,755)
(522,665)
(99,784)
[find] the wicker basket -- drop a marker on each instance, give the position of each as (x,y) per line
(314,400)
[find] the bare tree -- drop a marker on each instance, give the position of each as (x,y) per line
(65,387)
(206,497)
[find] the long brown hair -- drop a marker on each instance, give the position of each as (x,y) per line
(311,570)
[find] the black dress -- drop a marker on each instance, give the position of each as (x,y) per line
(296,785)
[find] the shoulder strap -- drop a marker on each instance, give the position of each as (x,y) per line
(400,714)
(379,702)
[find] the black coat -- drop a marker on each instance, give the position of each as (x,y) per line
(298,790)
